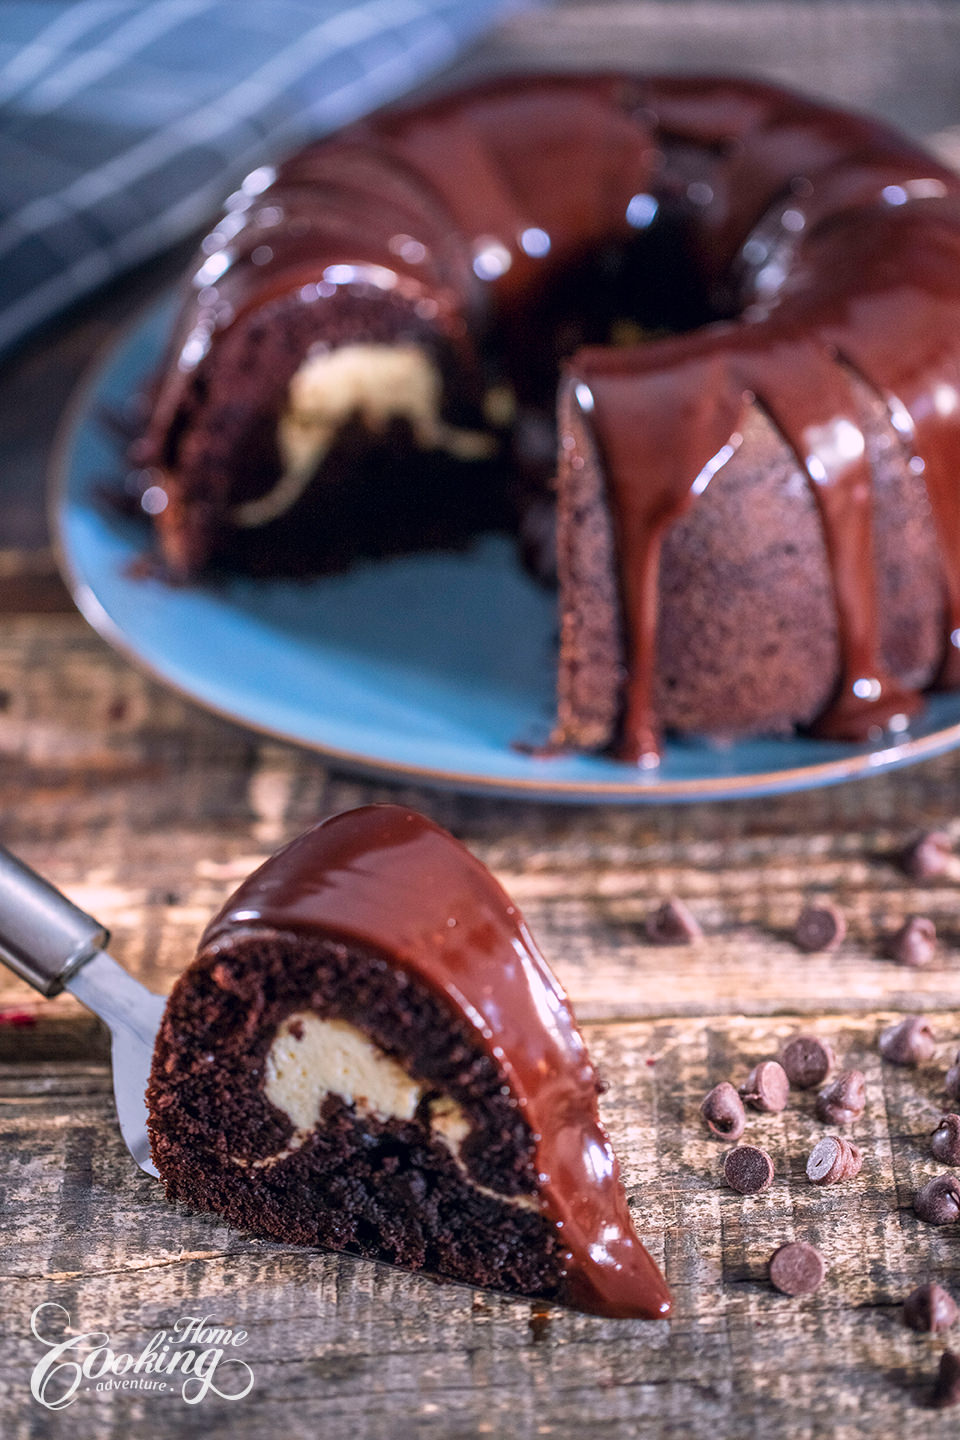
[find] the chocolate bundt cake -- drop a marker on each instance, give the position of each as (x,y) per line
(746,306)
(369,1053)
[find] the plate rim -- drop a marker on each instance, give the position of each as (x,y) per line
(649,791)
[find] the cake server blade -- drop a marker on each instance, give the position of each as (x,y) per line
(53,945)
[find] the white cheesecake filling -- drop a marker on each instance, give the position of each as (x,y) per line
(311,1058)
(377,383)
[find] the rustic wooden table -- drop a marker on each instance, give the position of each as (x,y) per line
(146,811)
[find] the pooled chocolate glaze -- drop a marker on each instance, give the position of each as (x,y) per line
(825,246)
(389,879)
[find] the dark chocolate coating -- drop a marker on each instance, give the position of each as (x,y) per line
(391,882)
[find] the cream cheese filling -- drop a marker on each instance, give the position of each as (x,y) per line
(375,382)
(310,1058)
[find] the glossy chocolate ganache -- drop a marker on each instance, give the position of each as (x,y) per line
(384,881)
(809,259)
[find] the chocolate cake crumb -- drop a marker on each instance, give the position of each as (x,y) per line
(722,1111)
(748,1169)
(807,1061)
(910,1042)
(766,1088)
(797,1268)
(819,927)
(945,1140)
(929,1309)
(938,1202)
(672,924)
(843,1100)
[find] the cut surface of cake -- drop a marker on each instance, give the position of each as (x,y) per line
(744,307)
(370,1054)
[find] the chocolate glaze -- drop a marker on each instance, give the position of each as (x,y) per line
(827,245)
(389,879)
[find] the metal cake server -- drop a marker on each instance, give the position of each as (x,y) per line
(53,945)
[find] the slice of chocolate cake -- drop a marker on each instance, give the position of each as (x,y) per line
(369,1053)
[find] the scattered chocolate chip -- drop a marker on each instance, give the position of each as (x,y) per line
(929,1309)
(722,1111)
(826,1163)
(843,1100)
(797,1268)
(672,924)
(807,1061)
(766,1088)
(854,1161)
(946,1387)
(748,1169)
(833,1159)
(927,855)
(915,943)
(953,1078)
(945,1140)
(938,1202)
(819,927)
(909,1042)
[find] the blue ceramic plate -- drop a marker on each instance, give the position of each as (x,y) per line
(430,668)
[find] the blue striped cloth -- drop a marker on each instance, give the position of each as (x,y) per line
(123,123)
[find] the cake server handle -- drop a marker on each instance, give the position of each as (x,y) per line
(54,945)
(44,937)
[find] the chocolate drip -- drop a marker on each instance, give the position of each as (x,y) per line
(390,880)
(827,242)
(872,281)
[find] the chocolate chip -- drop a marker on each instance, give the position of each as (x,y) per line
(766,1088)
(819,927)
(938,1202)
(826,1163)
(807,1061)
(843,1100)
(946,1387)
(952,1081)
(833,1159)
(722,1111)
(672,924)
(909,1042)
(854,1161)
(945,1140)
(748,1169)
(929,1309)
(927,855)
(797,1268)
(915,943)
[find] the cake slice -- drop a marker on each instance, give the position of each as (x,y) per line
(369,1053)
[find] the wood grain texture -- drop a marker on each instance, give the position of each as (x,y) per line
(148,811)
(341,1347)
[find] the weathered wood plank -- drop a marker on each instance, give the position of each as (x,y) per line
(341,1347)
(148,811)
